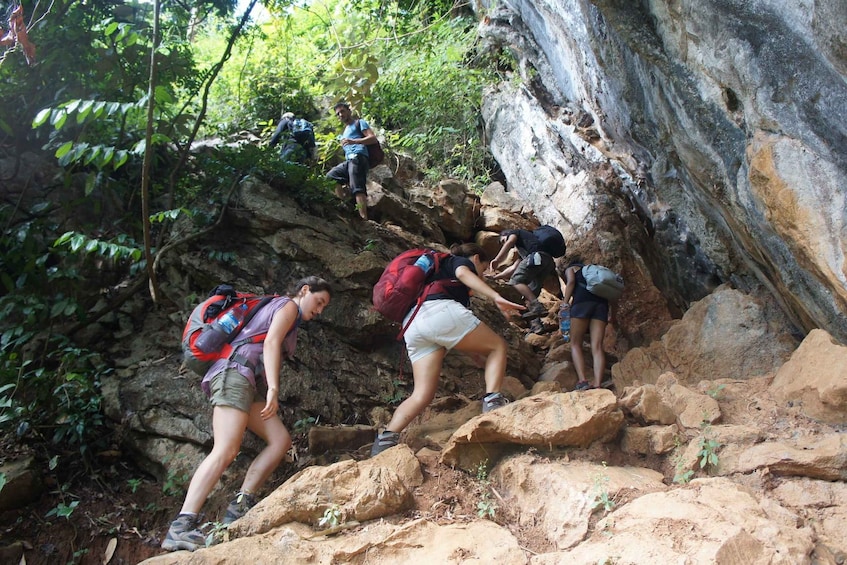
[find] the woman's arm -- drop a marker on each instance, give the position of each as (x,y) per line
(570,277)
(470,279)
(281,324)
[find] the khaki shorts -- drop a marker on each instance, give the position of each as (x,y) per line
(438,324)
(533,275)
(231,388)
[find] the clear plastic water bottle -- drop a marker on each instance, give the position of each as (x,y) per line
(424,263)
(565,321)
(219,332)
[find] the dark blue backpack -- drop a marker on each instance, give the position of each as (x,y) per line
(550,240)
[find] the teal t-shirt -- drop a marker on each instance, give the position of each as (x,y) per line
(355,131)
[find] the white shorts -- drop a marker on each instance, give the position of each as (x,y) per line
(439,323)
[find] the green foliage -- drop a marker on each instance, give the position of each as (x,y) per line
(302,425)
(716,390)
(331,517)
(708,447)
(134,484)
(602,498)
(485,507)
(63,510)
(175,479)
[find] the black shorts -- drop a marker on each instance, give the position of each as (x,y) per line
(591,311)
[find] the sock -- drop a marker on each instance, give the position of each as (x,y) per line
(491,395)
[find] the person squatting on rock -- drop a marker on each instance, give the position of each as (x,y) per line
(353,172)
(588,313)
(443,322)
(527,273)
(243,390)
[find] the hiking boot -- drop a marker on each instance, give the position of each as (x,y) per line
(239,507)
(383,441)
(493,401)
(535,310)
(184,533)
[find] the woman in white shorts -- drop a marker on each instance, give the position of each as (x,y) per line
(444,322)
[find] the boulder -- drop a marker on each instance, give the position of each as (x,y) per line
(815,379)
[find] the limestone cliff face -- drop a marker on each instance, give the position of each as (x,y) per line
(719,125)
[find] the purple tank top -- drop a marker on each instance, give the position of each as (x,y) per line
(250,363)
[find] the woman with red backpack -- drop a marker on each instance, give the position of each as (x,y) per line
(444,321)
(243,389)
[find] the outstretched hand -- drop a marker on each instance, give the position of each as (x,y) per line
(507,307)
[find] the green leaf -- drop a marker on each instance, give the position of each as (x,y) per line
(58,119)
(110,29)
(64,149)
(41,117)
(121,157)
(162,96)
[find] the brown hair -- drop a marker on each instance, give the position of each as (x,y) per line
(469,250)
(316,284)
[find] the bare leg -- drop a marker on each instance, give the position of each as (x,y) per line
(598,331)
(526,292)
(578,328)
(483,340)
(426,372)
(278,441)
(228,425)
(362,204)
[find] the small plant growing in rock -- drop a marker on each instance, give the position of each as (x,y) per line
(715,391)
(302,425)
(681,474)
(331,517)
(708,448)
(485,508)
(602,498)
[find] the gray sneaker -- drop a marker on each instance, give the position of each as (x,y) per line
(184,533)
(493,401)
(383,441)
(239,507)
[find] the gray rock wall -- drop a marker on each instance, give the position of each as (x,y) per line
(724,120)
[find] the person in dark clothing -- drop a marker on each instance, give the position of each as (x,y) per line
(444,322)
(527,273)
(296,136)
(588,313)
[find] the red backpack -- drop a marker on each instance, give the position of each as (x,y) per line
(214,324)
(404,285)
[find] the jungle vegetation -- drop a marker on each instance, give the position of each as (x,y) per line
(121,132)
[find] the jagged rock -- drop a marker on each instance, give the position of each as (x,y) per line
(646,403)
(725,335)
(339,438)
(692,408)
(377,544)
(455,208)
(360,490)
(830,498)
(814,378)
(724,437)
(544,420)
(724,523)
(649,439)
(528,484)
(744,187)
(23,483)
(819,458)
(562,372)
